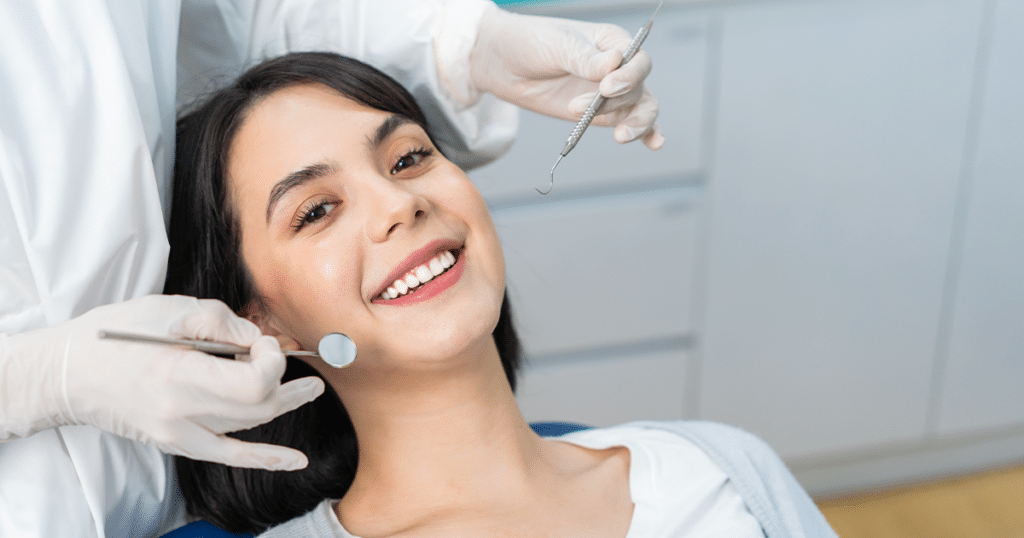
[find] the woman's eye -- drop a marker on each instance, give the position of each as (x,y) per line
(312,213)
(411,159)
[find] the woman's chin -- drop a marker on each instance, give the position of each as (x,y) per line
(424,354)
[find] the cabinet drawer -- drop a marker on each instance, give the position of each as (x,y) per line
(604,272)
(607,391)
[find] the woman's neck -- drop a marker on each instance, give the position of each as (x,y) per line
(437,439)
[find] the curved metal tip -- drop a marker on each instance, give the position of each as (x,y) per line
(552,183)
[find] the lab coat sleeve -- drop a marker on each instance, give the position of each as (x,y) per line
(221,38)
(86,107)
(86,148)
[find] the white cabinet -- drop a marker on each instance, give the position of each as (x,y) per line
(983,382)
(841,129)
(600,273)
(601,292)
(606,390)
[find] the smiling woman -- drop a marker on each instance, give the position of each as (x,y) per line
(288,135)
(311,198)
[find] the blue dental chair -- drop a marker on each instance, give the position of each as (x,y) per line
(203,529)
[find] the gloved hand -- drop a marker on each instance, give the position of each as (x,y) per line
(179,401)
(556,66)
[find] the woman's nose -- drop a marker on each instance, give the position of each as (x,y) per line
(396,208)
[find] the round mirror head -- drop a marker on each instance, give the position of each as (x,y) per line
(337,350)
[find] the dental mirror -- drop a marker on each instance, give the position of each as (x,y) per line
(336,349)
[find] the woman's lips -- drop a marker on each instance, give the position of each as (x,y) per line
(419,257)
(419,275)
(411,289)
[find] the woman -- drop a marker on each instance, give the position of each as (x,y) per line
(311,198)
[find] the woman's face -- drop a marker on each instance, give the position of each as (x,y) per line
(337,202)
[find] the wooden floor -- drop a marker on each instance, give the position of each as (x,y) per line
(989,505)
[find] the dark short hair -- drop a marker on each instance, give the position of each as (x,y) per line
(205,261)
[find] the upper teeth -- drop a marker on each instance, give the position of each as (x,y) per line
(419,276)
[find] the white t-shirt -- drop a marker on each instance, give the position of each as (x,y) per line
(676,488)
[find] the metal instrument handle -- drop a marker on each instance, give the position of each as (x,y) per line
(206,346)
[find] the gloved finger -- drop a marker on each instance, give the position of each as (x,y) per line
(295,394)
(653,138)
(266,357)
(226,416)
(612,110)
(610,37)
(627,77)
(205,446)
(247,383)
(632,121)
(639,121)
(583,60)
(213,320)
(611,40)
(579,104)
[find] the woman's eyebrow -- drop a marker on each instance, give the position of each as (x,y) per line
(385,129)
(295,179)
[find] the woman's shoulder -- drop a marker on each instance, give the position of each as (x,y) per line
(739,452)
(745,459)
(677,488)
(668,456)
(686,448)
(767,487)
(702,433)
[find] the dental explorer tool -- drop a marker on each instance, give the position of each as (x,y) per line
(595,105)
(335,349)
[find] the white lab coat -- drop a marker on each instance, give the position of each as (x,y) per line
(88,90)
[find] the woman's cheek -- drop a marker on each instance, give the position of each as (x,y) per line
(326,268)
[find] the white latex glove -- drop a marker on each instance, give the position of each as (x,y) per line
(179,401)
(556,66)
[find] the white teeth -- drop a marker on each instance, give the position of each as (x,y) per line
(423,274)
(419,276)
(436,267)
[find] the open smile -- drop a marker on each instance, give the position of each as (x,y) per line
(425,280)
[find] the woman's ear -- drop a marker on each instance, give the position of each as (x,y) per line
(257,314)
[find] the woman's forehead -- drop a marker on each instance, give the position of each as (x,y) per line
(297,120)
(307,102)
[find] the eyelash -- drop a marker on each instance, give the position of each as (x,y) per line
(422,153)
(303,218)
